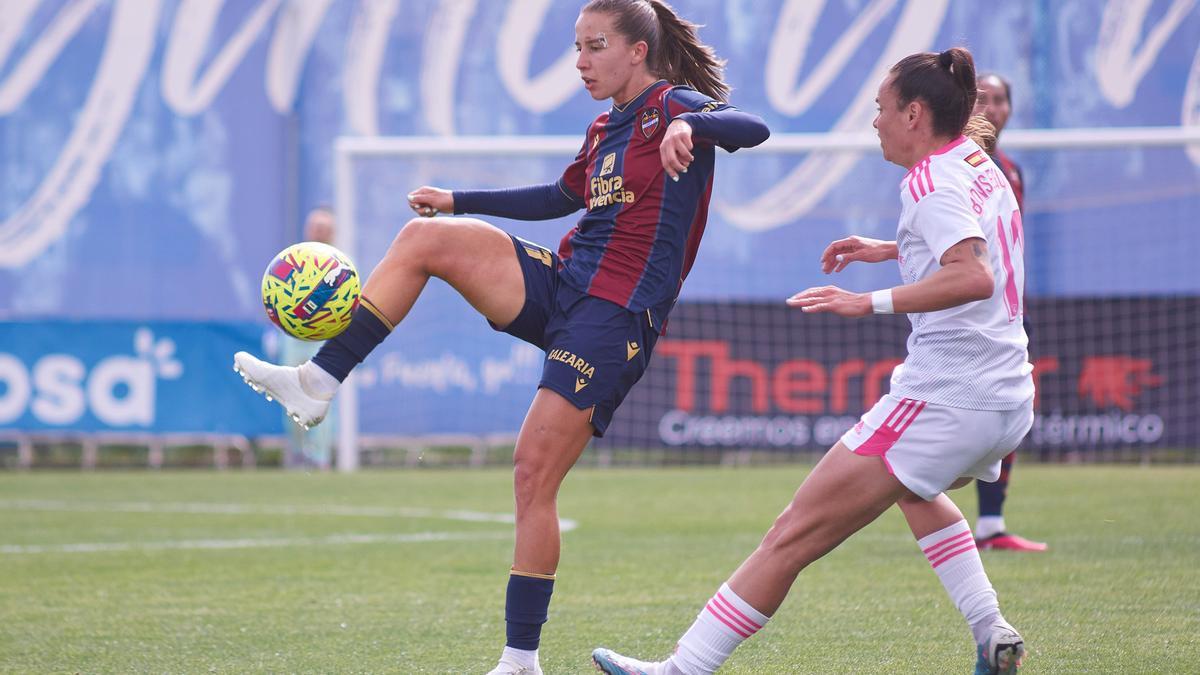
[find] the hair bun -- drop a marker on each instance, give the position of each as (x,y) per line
(946,59)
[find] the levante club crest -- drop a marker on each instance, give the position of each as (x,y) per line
(649,122)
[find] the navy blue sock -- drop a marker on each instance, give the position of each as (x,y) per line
(991,495)
(526,608)
(368,327)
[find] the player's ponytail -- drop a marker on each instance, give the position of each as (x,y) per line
(944,81)
(683,59)
(675,51)
(980,130)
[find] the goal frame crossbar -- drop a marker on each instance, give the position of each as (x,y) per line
(348,149)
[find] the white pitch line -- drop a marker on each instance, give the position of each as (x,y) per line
(564,524)
(218,544)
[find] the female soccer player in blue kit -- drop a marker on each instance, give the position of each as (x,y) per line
(644,176)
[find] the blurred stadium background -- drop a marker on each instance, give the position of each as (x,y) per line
(154,155)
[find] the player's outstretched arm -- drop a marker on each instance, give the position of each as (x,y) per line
(833,300)
(854,248)
(532,202)
(965,276)
(727,127)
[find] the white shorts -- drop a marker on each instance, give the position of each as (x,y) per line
(928,446)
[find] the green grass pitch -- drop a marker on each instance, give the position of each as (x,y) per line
(398,572)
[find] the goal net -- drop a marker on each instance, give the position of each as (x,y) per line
(1113,299)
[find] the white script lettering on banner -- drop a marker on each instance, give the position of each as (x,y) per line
(186,91)
(68,186)
(517,35)
(808,183)
(1121,61)
(120,390)
(365,47)
(441,57)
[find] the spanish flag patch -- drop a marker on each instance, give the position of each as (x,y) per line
(976,158)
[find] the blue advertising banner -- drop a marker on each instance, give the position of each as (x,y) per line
(164,376)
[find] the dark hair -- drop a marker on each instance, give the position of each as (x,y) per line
(675,51)
(945,82)
(1003,81)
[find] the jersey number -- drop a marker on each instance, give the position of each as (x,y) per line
(1012,299)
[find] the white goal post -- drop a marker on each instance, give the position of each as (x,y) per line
(349,149)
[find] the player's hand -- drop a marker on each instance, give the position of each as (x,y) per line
(427,201)
(832,299)
(676,148)
(842,252)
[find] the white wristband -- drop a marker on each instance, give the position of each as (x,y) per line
(881,302)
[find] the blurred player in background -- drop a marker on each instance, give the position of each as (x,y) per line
(310,448)
(995,103)
(597,306)
(962,399)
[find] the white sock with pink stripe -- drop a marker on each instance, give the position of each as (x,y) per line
(722,625)
(952,554)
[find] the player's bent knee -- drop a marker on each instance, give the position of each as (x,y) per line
(416,230)
(418,240)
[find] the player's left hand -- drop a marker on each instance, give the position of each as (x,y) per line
(676,148)
(832,299)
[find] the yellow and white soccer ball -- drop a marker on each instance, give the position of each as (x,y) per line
(310,290)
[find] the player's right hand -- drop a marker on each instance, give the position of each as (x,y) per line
(842,252)
(427,201)
(676,149)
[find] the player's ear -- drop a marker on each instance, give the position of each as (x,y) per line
(914,110)
(640,51)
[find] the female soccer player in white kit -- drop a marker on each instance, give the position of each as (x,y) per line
(962,399)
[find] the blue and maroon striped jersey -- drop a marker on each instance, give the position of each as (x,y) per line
(638,239)
(1015,179)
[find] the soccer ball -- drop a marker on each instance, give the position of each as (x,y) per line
(310,290)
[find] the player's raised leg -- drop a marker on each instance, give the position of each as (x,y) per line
(552,437)
(475,258)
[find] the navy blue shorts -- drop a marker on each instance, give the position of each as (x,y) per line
(595,349)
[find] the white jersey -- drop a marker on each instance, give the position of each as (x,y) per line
(974,355)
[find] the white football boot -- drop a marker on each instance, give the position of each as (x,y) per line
(1002,654)
(283,384)
(609,662)
(507,667)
